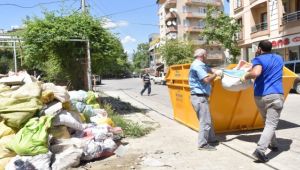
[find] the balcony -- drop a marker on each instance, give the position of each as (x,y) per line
(171,29)
(196,15)
(259,27)
(252,1)
(170,4)
(239,36)
(239,6)
(260,30)
(193,29)
(291,17)
(204,2)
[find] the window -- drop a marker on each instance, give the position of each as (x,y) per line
(185,9)
(290,66)
(293,53)
(238,3)
(240,21)
(297,68)
(263,17)
(201,23)
(286,6)
(202,10)
(186,23)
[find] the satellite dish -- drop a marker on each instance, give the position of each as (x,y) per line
(174,23)
(169,23)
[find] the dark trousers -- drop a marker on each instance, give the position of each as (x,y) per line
(146,86)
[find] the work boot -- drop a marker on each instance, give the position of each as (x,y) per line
(214,143)
(207,147)
(260,156)
(273,148)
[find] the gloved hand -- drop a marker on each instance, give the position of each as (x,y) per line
(219,73)
(243,78)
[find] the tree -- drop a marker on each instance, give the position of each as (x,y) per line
(48,49)
(222,29)
(141,57)
(6,61)
(177,52)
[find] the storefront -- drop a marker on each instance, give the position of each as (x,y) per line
(287,46)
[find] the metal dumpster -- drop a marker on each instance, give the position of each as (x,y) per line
(231,111)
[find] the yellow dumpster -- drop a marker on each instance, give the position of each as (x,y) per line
(231,111)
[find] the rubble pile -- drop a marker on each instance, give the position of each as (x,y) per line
(44,126)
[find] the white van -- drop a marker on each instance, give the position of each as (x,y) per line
(295,67)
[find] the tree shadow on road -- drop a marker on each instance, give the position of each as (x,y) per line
(119,106)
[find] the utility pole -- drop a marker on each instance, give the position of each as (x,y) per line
(83,6)
(15,56)
(88,54)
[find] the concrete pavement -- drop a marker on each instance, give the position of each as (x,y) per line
(236,148)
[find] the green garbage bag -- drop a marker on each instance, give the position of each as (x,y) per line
(92,100)
(32,139)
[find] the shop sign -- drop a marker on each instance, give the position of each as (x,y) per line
(287,41)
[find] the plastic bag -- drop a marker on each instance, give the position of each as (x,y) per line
(47,96)
(16,112)
(60,132)
(38,162)
(5,130)
(4,152)
(60,92)
(67,159)
(69,119)
(231,80)
(32,139)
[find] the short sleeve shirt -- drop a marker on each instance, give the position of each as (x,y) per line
(198,71)
(270,80)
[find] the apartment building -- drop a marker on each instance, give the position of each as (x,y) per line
(275,20)
(184,20)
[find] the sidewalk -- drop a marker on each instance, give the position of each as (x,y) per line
(174,146)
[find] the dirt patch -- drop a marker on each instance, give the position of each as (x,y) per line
(128,161)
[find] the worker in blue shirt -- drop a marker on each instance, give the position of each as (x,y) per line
(268,94)
(200,78)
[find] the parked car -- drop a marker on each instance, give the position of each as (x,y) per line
(295,67)
(160,79)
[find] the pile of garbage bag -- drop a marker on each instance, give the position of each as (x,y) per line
(45,126)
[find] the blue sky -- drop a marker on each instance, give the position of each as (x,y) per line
(132,20)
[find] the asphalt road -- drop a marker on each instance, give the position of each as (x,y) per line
(241,143)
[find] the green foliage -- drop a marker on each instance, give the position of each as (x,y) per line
(48,47)
(6,61)
(130,128)
(222,29)
(177,52)
(141,57)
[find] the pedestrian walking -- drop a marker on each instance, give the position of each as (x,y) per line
(147,83)
(200,78)
(268,94)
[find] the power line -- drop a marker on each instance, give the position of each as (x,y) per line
(33,6)
(129,10)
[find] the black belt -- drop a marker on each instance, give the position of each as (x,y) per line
(200,95)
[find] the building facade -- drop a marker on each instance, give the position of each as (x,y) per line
(275,20)
(184,20)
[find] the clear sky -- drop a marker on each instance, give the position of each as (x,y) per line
(132,20)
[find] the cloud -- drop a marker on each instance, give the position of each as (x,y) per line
(128,39)
(108,23)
